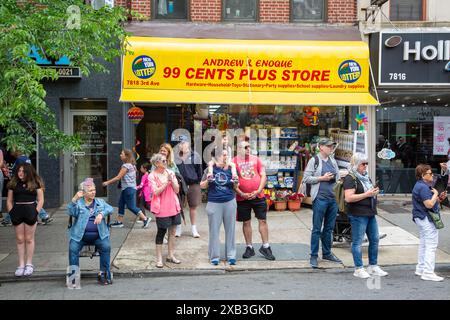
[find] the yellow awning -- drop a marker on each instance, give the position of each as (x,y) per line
(252,72)
(256,98)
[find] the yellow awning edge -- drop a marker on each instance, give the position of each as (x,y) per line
(254,72)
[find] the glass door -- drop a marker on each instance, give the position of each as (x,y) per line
(91,160)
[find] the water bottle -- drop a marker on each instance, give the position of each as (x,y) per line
(170,6)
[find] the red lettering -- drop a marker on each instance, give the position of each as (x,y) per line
(243,73)
(325,75)
(305,75)
(210,73)
(315,75)
(285,76)
(230,74)
(200,73)
(188,73)
(272,75)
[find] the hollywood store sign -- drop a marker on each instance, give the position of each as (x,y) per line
(414,58)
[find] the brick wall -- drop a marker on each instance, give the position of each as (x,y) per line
(341,11)
(277,11)
(205,10)
(270,11)
(141,6)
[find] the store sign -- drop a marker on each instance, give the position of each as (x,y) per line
(440,135)
(414,58)
(244,66)
(62,65)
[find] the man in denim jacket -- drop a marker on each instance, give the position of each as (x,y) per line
(90,228)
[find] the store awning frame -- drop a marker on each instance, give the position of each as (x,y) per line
(245,98)
(145,78)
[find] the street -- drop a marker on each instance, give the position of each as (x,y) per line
(329,284)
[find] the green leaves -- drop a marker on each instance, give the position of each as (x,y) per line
(44,24)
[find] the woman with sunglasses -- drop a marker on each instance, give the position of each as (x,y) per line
(360,195)
(425,198)
(165,206)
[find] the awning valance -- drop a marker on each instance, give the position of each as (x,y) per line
(253,72)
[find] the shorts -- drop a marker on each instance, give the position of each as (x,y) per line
(24,213)
(244,209)
(166,222)
(194,195)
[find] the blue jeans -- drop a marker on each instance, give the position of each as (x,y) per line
(128,197)
(103,246)
(361,226)
(42,215)
(324,211)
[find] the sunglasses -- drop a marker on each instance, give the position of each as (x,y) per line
(365,163)
(164,161)
(430,173)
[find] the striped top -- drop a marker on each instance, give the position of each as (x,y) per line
(129,179)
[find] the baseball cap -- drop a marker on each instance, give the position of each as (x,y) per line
(326,142)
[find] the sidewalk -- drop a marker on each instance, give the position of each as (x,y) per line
(133,248)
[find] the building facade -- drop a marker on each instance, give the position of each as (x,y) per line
(96,107)
(410,50)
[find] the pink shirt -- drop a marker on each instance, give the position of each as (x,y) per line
(166,204)
(145,188)
(249,171)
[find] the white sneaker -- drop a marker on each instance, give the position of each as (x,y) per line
(418,272)
(361,273)
(376,271)
(178,231)
(431,277)
(195,233)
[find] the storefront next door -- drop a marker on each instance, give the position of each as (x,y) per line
(91,160)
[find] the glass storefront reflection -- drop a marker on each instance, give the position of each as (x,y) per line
(90,161)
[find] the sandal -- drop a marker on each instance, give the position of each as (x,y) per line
(159,264)
(29,268)
(19,271)
(173,260)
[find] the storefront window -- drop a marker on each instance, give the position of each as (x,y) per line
(409,132)
(308,10)
(240,10)
(171,9)
(406,10)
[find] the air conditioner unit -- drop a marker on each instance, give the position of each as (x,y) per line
(98,4)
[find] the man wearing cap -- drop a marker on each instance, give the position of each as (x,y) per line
(322,178)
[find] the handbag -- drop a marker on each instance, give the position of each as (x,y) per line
(436,218)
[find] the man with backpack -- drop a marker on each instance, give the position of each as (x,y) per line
(321,174)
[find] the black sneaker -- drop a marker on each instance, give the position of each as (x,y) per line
(267,253)
(47,220)
(331,257)
(249,252)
